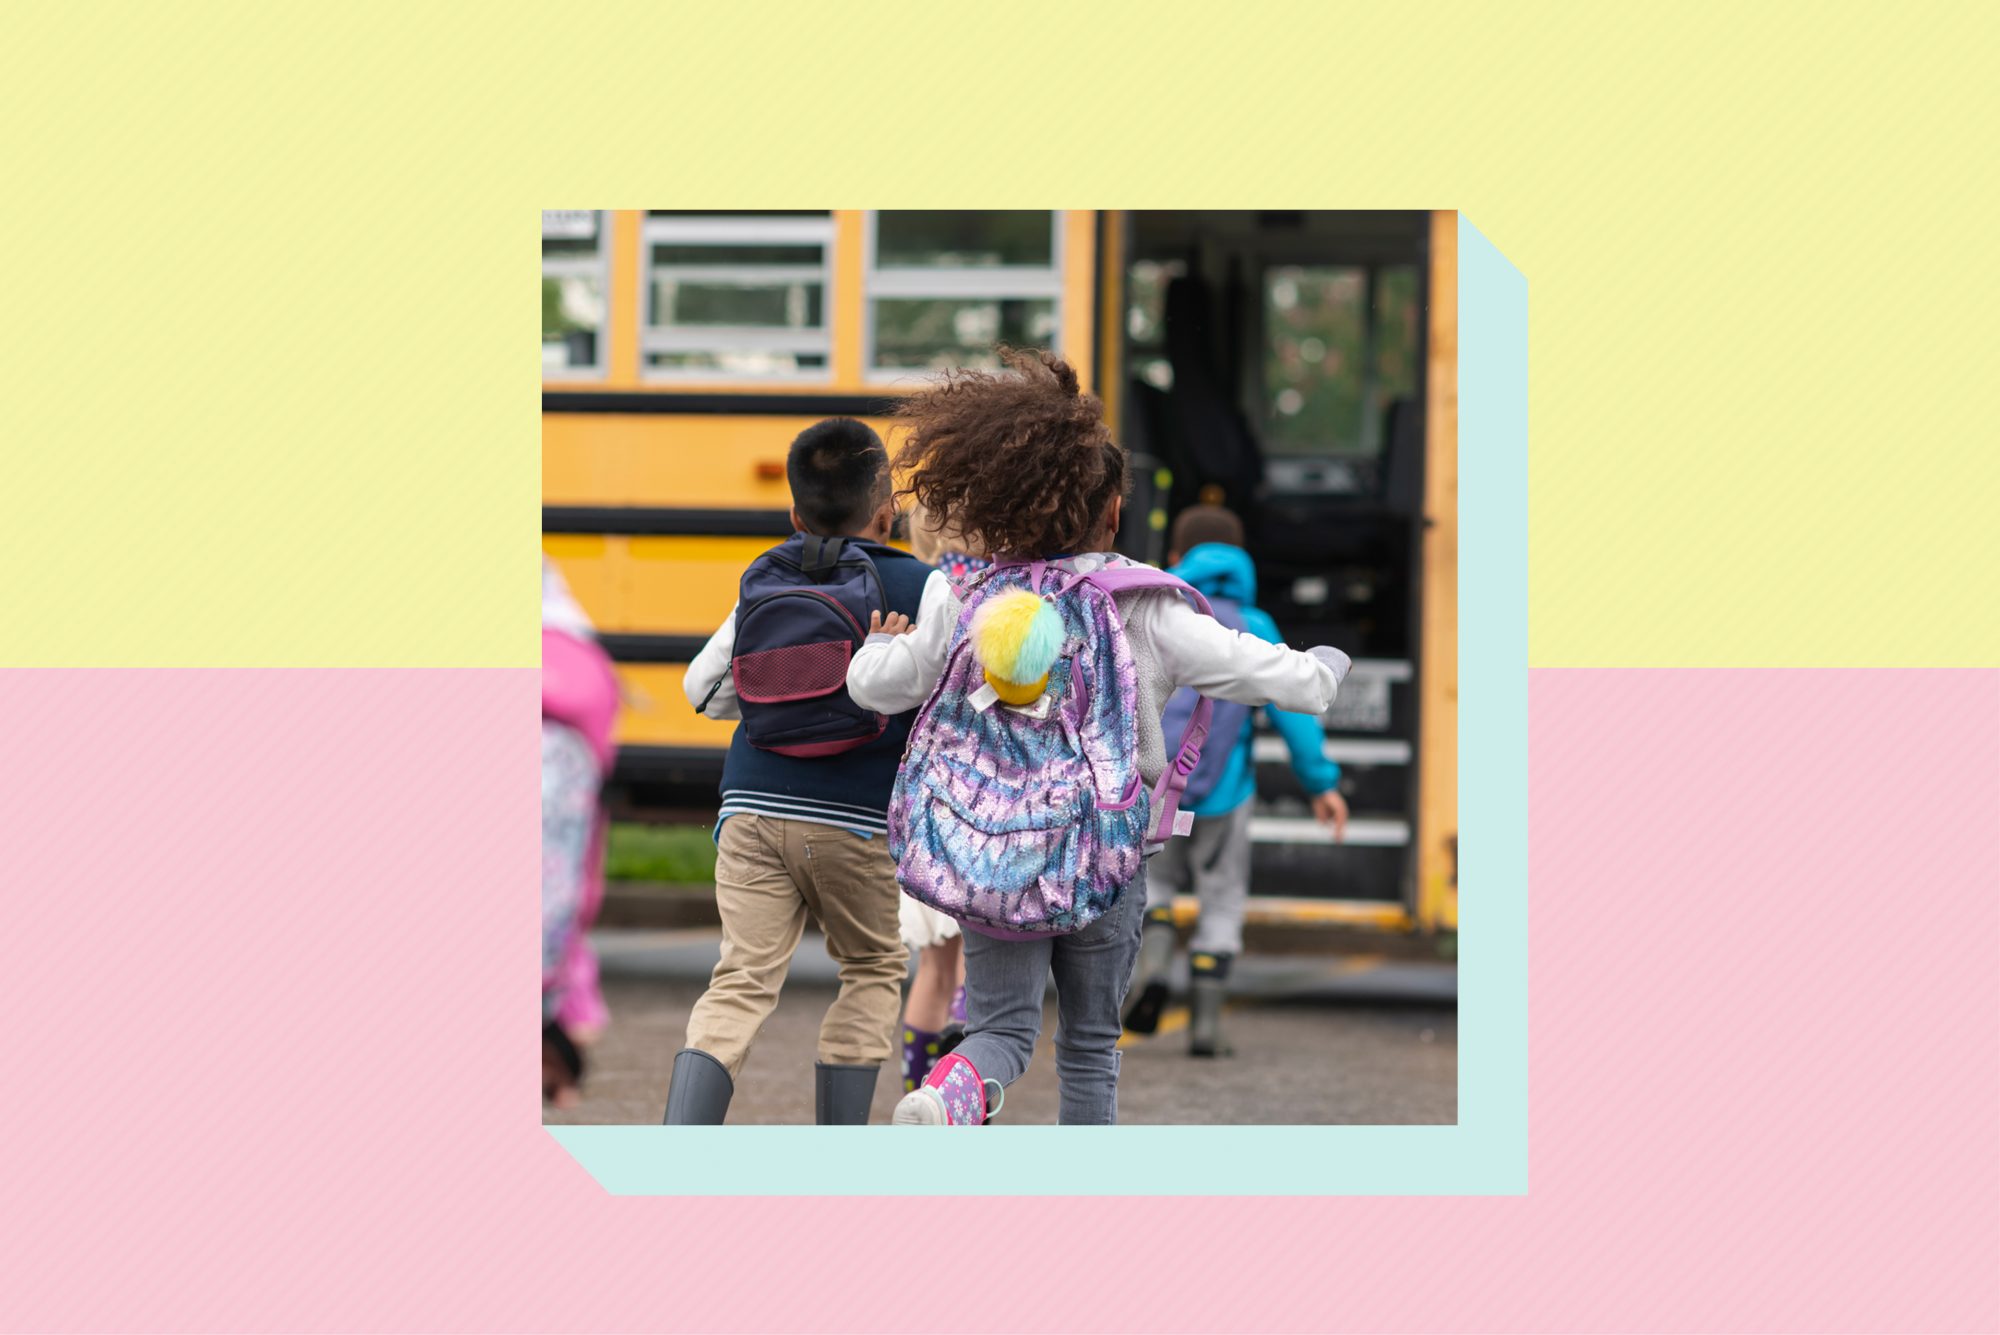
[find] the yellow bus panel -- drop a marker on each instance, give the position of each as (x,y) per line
(655,586)
(669,460)
(590,565)
(685,586)
(656,713)
(586,468)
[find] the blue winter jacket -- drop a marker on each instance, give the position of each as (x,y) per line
(1222,571)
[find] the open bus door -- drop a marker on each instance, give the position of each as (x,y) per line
(1299,367)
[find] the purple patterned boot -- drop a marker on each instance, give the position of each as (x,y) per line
(953,1095)
(921,1049)
(954,1029)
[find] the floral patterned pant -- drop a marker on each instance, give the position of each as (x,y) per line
(569,807)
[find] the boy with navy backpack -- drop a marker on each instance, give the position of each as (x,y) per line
(1206,550)
(805,787)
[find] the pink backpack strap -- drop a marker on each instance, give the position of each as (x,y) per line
(1174,778)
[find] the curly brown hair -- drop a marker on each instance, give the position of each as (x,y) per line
(1020,463)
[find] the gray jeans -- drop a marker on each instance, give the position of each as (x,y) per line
(1004,982)
(1214,861)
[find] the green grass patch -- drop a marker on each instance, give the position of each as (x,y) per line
(677,853)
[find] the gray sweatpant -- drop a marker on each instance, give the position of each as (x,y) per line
(1215,862)
(1004,983)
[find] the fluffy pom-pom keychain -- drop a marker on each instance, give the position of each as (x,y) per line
(1016,637)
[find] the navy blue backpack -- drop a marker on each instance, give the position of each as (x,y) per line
(1226,727)
(801,613)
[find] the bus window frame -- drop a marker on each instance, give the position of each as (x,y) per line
(600,268)
(935,283)
(734,230)
(1370,444)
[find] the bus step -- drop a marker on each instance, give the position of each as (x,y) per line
(1270,750)
(1362,831)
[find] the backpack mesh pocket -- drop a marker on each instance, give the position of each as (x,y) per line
(791,672)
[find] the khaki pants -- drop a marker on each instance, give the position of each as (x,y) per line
(769,874)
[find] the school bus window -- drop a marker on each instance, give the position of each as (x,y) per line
(736,213)
(943,288)
(1146,319)
(1340,345)
(574,279)
(914,334)
(1398,333)
(741,296)
(961,240)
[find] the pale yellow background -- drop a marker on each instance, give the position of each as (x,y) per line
(268,342)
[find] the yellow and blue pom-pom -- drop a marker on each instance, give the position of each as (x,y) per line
(1016,637)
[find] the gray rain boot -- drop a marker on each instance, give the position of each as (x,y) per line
(700,1090)
(1148,994)
(841,1094)
(1205,1006)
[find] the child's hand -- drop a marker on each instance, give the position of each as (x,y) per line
(1333,659)
(1330,810)
(896,624)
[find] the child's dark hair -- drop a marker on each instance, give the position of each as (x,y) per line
(1204,523)
(1020,463)
(839,473)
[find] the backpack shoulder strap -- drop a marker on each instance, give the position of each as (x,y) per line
(1127,579)
(1174,778)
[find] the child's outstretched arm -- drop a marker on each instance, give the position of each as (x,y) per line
(1201,652)
(1320,777)
(1304,738)
(710,688)
(896,669)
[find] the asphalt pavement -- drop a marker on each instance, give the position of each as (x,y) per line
(1319,1039)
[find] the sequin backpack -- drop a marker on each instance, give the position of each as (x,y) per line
(1019,809)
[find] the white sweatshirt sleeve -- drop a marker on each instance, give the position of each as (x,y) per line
(710,672)
(894,673)
(1201,652)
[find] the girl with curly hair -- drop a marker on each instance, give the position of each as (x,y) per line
(1022,465)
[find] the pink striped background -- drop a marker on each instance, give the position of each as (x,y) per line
(265,970)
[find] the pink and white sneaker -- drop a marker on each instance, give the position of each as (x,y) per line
(952,1095)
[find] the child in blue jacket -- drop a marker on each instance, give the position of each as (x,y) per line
(1206,550)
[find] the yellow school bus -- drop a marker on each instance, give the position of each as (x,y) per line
(1297,366)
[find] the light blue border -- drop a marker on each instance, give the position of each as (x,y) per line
(1487,1152)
